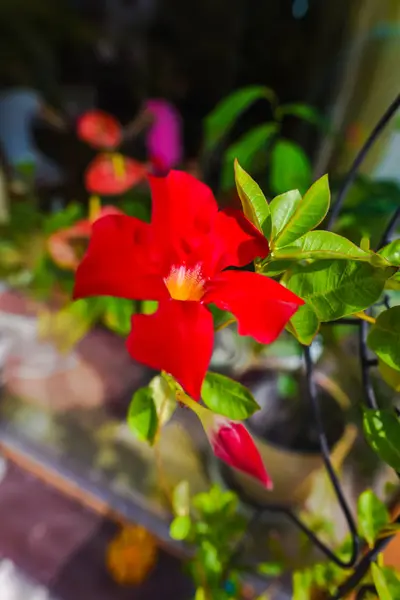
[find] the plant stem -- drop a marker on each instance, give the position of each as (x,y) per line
(365,317)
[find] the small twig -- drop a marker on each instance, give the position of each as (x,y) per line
(370,398)
(348,182)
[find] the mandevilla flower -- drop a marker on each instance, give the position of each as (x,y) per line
(180,260)
(60,244)
(99,129)
(113,174)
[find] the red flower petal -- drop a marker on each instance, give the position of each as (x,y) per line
(261,305)
(99,129)
(178,339)
(232,443)
(119,262)
(183,213)
(102,176)
(240,242)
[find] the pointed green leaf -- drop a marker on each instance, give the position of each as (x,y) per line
(302,582)
(164,399)
(372,516)
(305,112)
(321,245)
(254,203)
(181,499)
(224,115)
(391,376)
(245,150)
(304,325)
(290,167)
(221,317)
(382,430)
(180,528)
(392,253)
(337,288)
(386,581)
(142,415)
(293,216)
(227,397)
(384,337)
(117,315)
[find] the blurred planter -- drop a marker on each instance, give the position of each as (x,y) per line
(287,438)
(97,372)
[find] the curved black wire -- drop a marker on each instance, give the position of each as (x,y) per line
(349,180)
(325,451)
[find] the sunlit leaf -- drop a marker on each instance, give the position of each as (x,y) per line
(304,324)
(382,430)
(290,168)
(164,399)
(181,499)
(386,581)
(392,253)
(117,315)
(180,527)
(142,415)
(337,288)
(372,516)
(254,203)
(391,376)
(321,245)
(384,337)
(293,216)
(227,397)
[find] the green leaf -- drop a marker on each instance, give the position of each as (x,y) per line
(305,112)
(181,499)
(337,288)
(227,397)
(382,430)
(392,253)
(254,203)
(117,315)
(142,415)
(290,168)
(148,307)
(224,115)
(321,245)
(245,150)
(180,528)
(391,376)
(304,325)
(221,317)
(386,581)
(372,516)
(384,337)
(293,216)
(272,569)
(164,399)
(302,581)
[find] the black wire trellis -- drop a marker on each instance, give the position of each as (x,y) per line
(359,566)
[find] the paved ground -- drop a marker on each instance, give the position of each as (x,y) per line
(52,548)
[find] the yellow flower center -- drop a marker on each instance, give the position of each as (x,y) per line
(185,284)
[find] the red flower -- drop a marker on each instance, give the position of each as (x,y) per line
(232,443)
(113,174)
(179,260)
(99,129)
(60,244)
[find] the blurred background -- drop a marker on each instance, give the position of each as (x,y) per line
(292,88)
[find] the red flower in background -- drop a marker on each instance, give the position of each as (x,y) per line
(180,260)
(113,174)
(100,130)
(60,244)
